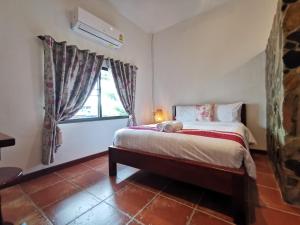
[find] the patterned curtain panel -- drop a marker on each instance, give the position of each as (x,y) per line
(69,76)
(125,81)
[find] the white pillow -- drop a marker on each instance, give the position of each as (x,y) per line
(186,113)
(228,112)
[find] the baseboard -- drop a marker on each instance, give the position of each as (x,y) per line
(258,151)
(52,169)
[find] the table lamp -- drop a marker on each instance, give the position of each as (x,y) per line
(158,116)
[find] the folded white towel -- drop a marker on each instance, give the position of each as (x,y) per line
(169,126)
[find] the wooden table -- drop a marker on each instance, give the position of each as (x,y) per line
(7,174)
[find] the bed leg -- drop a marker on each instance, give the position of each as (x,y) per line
(239,200)
(112,165)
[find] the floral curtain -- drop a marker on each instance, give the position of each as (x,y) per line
(69,76)
(125,80)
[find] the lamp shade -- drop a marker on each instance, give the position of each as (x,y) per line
(158,116)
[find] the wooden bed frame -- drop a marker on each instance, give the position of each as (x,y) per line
(224,180)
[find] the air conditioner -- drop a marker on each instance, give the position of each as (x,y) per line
(93,27)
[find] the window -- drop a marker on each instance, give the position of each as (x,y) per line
(111,104)
(103,102)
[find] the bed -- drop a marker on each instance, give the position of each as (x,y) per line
(230,180)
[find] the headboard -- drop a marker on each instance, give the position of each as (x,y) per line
(243,113)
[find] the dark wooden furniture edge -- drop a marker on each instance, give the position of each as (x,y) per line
(52,169)
(225,180)
(257,151)
(6,140)
(243,113)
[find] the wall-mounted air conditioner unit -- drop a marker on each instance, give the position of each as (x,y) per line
(93,27)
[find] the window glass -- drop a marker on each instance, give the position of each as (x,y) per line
(110,101)
(111,105)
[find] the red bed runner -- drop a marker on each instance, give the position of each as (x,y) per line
(233,136)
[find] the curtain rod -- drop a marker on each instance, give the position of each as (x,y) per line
(43,38)
(107,58)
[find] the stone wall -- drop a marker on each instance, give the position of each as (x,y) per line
(283,98)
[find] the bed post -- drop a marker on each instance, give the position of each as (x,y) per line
(111,163)
(244,115)
(174,112)
(239,187)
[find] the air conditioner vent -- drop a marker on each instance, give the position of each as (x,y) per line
(93,27)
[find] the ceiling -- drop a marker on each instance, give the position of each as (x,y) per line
(156,15)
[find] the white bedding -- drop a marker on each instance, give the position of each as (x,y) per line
(216,151)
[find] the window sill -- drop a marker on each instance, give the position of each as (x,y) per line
(93,119)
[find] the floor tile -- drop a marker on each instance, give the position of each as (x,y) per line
(260,158)
(105,187)
(35,219)
(53,193)
(11,194)
(40,183)
(104,168)
(17,210)
(264,167)
(149,181)
(135,222)
(70,208)
(267,216)
(216,204)
(101,214)
(88,179)
(165,211)
(126,172)
(96,162)
(200,218)
(273,199)
(130,199)
(79,198)
(184,193)
(263,163)
(122,166)
(73,171)
(266,179)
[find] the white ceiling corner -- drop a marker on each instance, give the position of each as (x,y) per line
(156,15)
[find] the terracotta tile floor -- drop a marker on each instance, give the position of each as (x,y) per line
(85,194)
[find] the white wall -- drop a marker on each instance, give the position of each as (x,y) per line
(21,77)
(216,57)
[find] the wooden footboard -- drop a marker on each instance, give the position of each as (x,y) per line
(224,180)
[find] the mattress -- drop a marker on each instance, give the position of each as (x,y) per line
(217,151)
